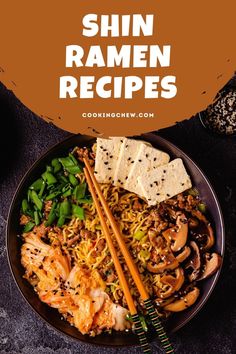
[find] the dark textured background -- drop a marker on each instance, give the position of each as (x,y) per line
(23,138)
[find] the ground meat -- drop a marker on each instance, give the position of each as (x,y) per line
(181,201)
(111,277)
(24,219)
(73,240)
(137,205)
(41,230)
(85,152)
(47,207)
(101,244)
(58,231)
(86,234)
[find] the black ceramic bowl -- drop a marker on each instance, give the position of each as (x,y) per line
(52,316)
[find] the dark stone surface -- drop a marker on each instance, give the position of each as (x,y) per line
(23,138)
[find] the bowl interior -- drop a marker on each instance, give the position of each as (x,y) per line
(51,315)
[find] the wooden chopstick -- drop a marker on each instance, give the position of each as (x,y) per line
(132,308)
(131,265)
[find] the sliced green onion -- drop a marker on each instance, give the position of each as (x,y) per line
(73,159)
(70,164)
(143,323)
(74,170)
(49,169)
(61,221)
(193,191)
(25,206)
(73,180)
(202,207)
(37,185)
(79,191)
(67,193)
(29,226)
(144,254)
(66,162)
(85,201)
(128,317)
(35,199)
(77,212)
(36,217)
(49,178)
(56,165)
(42,189)
(65,208)
(138,235)
(53,195)
(62,178)
(52,215)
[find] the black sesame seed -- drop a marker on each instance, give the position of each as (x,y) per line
(106,163)
(132,161)
(140,160)
(158,193)
(151,185)
(129,159)
(111,156)
(154,159)
(164,171)
(182,184)
(126,177)
(109,168)
(146,155)
(163,179)
(167,195)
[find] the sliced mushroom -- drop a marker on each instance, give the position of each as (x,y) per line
(174,283)
(164,302)
(168,262)
(210,238)
(207,230)
(193,223)
(195,262)
(184,254)
(177,238)
(183,303)
(211,266)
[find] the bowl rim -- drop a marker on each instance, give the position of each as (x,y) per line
(148,136)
